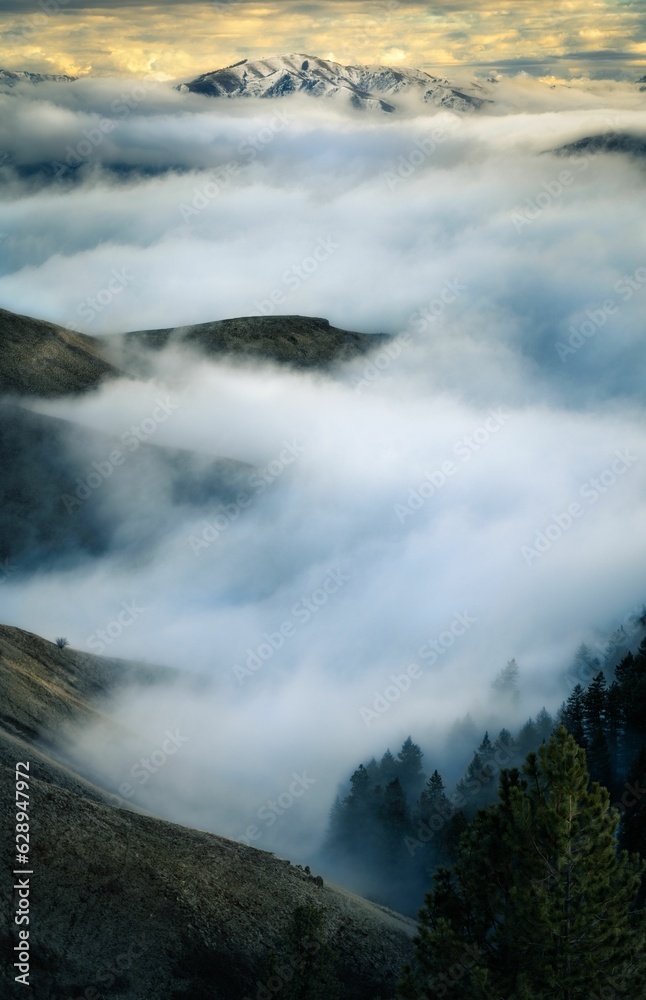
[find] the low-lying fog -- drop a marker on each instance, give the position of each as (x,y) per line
(473,493)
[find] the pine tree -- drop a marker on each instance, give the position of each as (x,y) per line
(504,741)
(387,768)
(433,800)
(486,748)
(544,725)
(595,703)
(631,677)
(488,772)
(432,817)
(539,902)
(572,715)
(336,831)
(372,767)
(584,666)
(506,683)
(595,708)
(616,733)
(633,823)
(409,769)
(477,787)
(358,825)
(528,737)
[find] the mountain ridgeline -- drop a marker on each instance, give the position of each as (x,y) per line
(69,492)
(38,358)
(365,88)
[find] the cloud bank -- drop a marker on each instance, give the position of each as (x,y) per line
(473,492)
(183,38)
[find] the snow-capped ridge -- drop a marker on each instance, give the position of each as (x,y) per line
(365,87)
(9,78)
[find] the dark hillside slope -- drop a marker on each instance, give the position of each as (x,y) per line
(298,341)
(42,359)
(46,465)
(128,906)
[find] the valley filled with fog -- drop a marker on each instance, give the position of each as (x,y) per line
(472,492)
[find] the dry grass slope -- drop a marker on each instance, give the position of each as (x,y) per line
(39,358)
(131,907)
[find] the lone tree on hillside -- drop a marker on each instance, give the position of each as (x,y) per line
(540,903)
(62,642)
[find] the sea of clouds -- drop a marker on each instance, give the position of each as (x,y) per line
(474,492)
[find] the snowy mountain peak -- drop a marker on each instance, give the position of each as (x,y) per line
(364,87)
(9,78)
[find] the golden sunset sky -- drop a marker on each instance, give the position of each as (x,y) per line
(181,39)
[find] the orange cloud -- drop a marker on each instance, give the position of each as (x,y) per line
(179,41)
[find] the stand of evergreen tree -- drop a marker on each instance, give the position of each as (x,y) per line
(388,835)
(397,824)
(609,721)
(540,904)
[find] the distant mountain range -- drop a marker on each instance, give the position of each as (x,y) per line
(370,87)
(9,78)
(364,87)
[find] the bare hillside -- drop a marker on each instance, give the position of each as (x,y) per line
(39,358)
(132,907)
